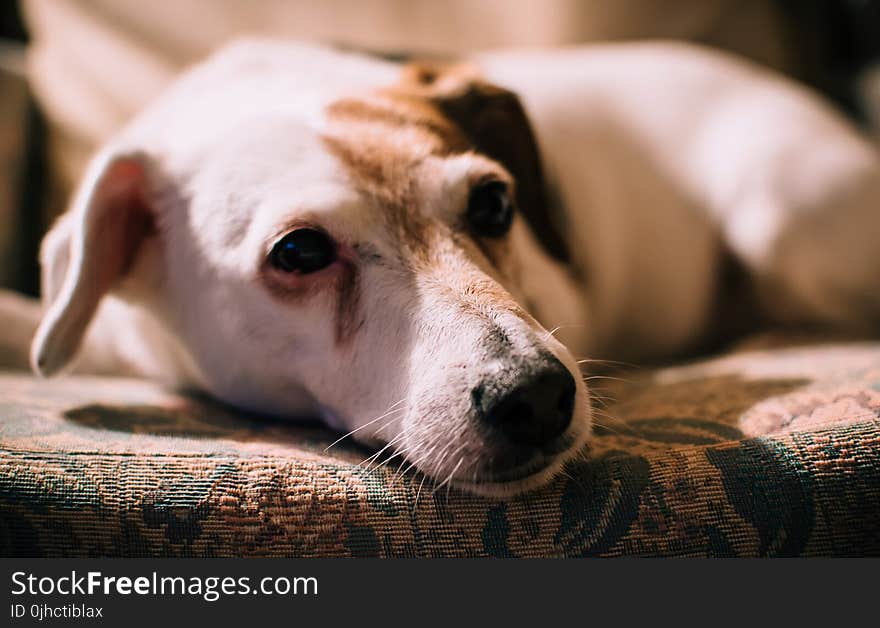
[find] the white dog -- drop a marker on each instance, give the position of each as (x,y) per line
(293,228)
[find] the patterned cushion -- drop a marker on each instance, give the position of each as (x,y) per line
(762,452)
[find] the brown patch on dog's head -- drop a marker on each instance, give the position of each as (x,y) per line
(381,141)
(440,109)
(496,125)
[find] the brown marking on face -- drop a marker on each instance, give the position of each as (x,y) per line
(342,280)
(481,292)
(399,110)
(381,142)
(347,304)
(456,274)
(381,138)
(388,182)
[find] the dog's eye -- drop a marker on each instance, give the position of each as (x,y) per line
(303,251)
(490,210)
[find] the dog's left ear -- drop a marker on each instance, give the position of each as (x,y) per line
(496,124)
(88,252)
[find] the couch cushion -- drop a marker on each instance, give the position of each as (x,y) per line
(763,452)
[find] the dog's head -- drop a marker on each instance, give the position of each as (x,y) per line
(387,262)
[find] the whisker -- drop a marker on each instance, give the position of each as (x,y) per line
(400,475)
(397,475)
(609,428)
(600,394)
(399,452)
(449,477)
(617,379)
(379,453)
(365,425)
(604,400)
(449,486)
(602,362)
(419,493)
(611,417)
(450,454)
(389,459)
(393,415)
(625,430)
(575,480)
(566,326)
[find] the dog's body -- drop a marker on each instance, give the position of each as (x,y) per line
(668,160)
(660,162)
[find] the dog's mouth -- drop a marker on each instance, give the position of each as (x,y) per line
(512,475)
(524,465)
(535,472)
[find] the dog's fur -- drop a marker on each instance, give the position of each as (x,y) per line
(651,167)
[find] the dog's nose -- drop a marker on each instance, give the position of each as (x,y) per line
(535,410)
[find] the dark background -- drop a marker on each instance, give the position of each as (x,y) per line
(835,40)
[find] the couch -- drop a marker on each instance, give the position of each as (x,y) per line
(771,449)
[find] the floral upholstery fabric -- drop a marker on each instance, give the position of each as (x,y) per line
(761,452)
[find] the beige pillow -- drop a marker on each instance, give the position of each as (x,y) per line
(94,64)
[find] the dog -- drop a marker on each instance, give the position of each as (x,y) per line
(422,252)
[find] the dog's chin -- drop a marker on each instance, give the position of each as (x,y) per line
(527,477)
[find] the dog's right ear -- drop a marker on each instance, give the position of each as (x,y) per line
(89,251)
